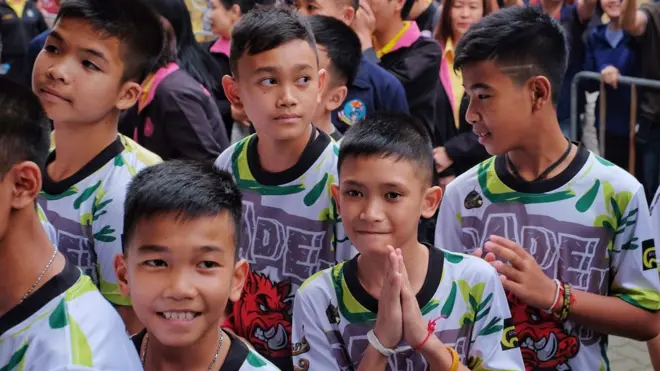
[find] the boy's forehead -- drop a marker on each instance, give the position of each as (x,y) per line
(484,75)
(174,233)
(79,33)
(293,56)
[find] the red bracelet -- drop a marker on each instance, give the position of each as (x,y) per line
(430,330)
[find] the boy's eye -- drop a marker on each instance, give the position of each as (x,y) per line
(207,264)
(50,49)
(392,195)
(303,80)
(155,263)
(352,193)
(91,66)
(267,82)
(483,96)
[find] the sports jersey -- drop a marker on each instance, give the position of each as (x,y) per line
(290,231)
(65,325)
(87,211)
(333,313)
(239,357)
(588,226)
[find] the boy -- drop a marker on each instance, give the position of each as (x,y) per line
(339,55)
(373,89)
(180,267)
(89,70)
(411,57)
(290,225)
(358,313)
(574,228)
(51,315)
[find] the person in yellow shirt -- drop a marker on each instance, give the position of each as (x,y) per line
(458,149)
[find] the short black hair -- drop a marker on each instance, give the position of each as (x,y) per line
(264,29)
(389,134)
(184,189)
(518,36)
(355,4)
(24,127)
(136,26)
(407,7)
(343,45)
(244,5)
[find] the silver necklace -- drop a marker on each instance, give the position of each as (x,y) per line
(41,276)
(143,356)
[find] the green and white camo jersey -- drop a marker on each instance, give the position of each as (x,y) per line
(333,313)
(588,226)
(86,211)
(65,325)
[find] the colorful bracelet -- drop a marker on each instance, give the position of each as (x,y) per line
(569,299)
(455,360)
(430,329)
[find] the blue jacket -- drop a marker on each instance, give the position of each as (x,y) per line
(374,89)
(600,54)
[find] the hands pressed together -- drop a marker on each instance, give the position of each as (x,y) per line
(399,316)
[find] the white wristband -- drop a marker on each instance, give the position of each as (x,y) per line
(373,340)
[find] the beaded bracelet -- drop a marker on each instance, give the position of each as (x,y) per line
(566,305)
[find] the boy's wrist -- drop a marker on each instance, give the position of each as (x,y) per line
(437,353)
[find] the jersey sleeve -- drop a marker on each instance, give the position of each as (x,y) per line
(496,344)
(223,162)
(107,226)
(448,226)
(633,263)
(311,348)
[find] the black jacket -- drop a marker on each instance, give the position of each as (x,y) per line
(461,144)
(417,67)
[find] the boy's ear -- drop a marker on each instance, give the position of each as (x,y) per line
(541,92)
(26,179)
(121,272)
(322,85)
(337,97)
(230,85)
(236,13)
(334,189)
(241,269)
(348,15)
(431,201)
(129,95)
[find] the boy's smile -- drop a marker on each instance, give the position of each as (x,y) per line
(181,275)
(380,200)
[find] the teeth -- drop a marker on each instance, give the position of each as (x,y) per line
(179,316)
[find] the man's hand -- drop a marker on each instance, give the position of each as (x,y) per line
(442,159)
(415,328)
(522,276)
(388,328)
(610,76)
(364,24)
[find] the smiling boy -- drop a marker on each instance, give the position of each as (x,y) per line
(181,268)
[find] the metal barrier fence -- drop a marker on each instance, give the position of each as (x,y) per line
(623,80)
